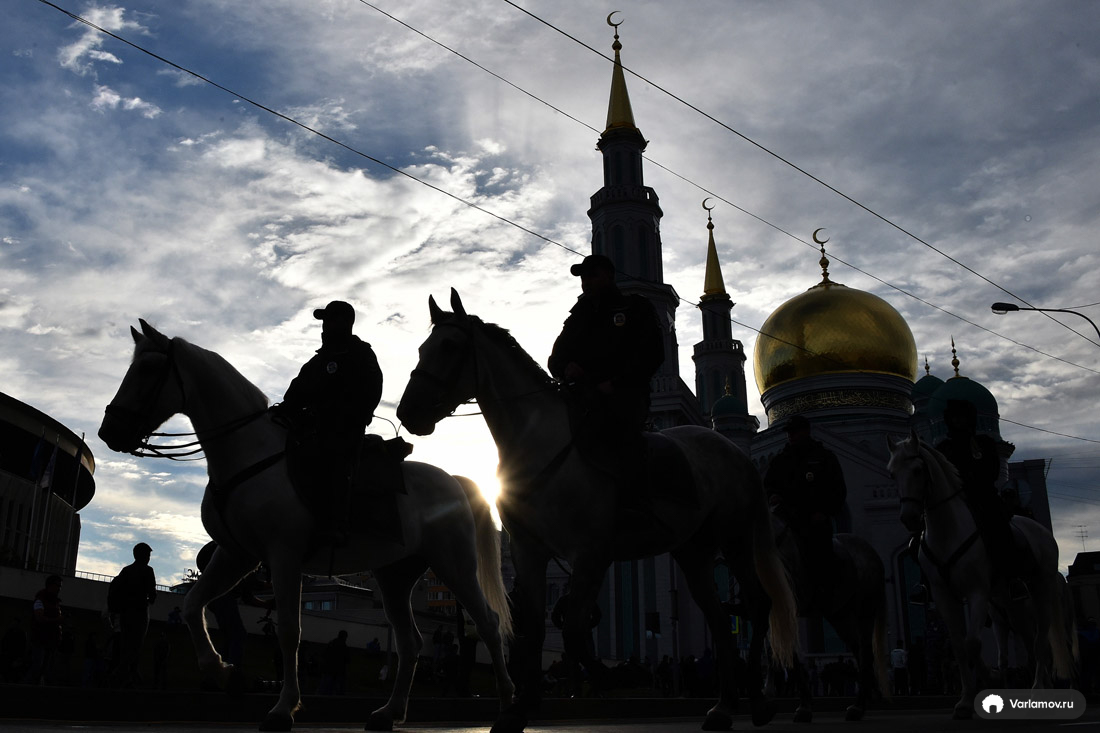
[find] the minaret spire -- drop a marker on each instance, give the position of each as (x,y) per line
(713,285)
(619,113)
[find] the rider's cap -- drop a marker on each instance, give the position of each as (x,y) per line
(337,311)
(593,264)
(797,423)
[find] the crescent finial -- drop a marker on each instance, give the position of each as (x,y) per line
(708,208)
(614,25)
(819,241)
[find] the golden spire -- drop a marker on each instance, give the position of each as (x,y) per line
(927,369)
(619,113)
(954,359)
(712,282)
(824,261)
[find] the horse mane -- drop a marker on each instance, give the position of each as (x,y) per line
(247,391)
(943,470)
(504,338)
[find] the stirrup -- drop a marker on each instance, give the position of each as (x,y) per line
(918,596)
(1018,589)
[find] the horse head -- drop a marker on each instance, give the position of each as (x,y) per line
(148,395)
(445,375)
(910,474)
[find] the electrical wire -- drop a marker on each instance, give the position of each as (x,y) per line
(394,169)
(789,163)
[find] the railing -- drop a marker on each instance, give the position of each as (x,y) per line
(98,577)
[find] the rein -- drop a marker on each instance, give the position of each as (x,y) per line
(943,566)
(176,452)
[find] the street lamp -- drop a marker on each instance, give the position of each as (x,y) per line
(1002,308)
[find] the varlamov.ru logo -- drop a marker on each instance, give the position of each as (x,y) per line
(1029,704)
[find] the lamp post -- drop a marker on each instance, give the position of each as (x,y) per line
(1002,308)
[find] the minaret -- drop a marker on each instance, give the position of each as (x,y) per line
(719,358)
(626,219)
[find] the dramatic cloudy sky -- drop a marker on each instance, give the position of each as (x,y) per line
(129,189)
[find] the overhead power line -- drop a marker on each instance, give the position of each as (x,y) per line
(394,169)
(789,163)
(710,193)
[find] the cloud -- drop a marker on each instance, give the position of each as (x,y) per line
(107,99)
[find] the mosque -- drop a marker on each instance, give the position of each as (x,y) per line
(843,358)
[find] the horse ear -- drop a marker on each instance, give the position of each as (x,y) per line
(137,335)
(434,309)
(154,335)
(456,303)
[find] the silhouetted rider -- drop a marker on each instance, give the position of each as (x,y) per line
(805,487)
(608,350)
(975,456)
(329,405)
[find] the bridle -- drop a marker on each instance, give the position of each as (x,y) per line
(180,451)
(471,345)
(943,566)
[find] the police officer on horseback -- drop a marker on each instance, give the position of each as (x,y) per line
(329,405)
(975,456)
(609,348)
(805,487)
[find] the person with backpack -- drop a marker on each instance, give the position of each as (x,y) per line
(129,596)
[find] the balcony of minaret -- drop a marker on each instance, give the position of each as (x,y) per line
(624,192)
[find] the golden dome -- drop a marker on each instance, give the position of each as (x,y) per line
(832,329)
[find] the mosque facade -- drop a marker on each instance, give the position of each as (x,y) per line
(843,358)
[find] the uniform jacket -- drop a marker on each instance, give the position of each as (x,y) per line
(809,479)
(612,337)
(340,385)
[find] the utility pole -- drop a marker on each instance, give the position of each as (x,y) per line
(1082,534)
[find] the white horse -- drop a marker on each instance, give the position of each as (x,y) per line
(251,510)
(958,567)
(706,497)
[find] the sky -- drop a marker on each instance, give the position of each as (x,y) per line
(954,147)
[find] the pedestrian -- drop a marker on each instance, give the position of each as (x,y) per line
(131,593)
(899,663)
(334,666)
(45,632)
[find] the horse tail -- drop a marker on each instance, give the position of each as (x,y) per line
(776,581)
(489,575)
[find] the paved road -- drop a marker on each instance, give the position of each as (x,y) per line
(900,721)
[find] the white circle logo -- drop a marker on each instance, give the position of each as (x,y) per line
(993,704)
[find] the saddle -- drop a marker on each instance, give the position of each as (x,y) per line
(367,503)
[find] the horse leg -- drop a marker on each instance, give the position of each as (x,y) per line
(580,604)
(804,713)
(529,612)
(1040,649)
(954,620)
(286,581)
(457,570)
(1000,630)
(396,582)
(759,605)
(220,576)
(697,564)
(856,633)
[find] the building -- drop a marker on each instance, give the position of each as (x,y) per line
(46,477)
(843,358)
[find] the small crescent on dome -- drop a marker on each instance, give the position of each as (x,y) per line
(613,25)
(819,241)
(708,208)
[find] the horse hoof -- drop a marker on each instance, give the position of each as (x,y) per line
(762,712)
(854,712)
(379,720)
(803,715)
(510,720)
(277,721)
(716,720)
